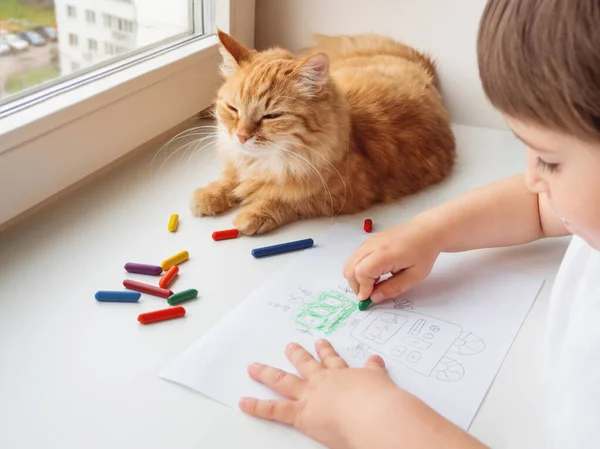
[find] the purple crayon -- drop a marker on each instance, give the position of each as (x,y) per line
(141,268)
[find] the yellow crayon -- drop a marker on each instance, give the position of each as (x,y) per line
(174,260)
(173,222)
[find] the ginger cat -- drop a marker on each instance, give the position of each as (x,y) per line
(357,122)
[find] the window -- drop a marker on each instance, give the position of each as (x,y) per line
(138,25)
(109,48)
(107,19)
(125,25)
(172,53)
(90,16)
(119,24)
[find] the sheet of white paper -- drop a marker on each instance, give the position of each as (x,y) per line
(444,341)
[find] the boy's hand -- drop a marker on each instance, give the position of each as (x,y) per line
(330,401)
(348,408)
(407,251)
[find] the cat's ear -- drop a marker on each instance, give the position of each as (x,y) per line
(314,72)
(233,53)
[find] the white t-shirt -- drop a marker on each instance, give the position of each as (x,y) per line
(573,351)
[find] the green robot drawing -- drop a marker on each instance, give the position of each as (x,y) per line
(327,313)
(420,342)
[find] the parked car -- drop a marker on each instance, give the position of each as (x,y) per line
(16,42)
(48,33)
(33,38)
(5,49)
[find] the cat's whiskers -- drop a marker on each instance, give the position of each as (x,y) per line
(186,132)
(293,167)
(202,137)
(332,166)
(195,144)
(243,163)
(185,147)
(178,150)
(183,134)
(300,165)
(323,182)
(200,147)
(197,151)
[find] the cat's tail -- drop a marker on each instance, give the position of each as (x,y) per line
(373,44)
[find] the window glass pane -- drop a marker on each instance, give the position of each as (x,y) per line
(45,41)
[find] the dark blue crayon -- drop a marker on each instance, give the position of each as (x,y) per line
(117,296)
(282,248)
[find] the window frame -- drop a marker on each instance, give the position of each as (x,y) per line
(50,145)
(90,16)
(92,45)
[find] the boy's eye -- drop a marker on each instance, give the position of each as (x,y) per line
(543,165)
(272,116)
(231,108)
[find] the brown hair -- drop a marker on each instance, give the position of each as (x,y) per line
(539,61)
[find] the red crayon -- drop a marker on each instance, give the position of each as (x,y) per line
(161,315)
(147,288)
(226,234)
(168,277)
(368,226)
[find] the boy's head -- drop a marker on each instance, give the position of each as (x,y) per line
(539,62)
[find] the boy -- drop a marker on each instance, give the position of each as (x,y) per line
(539,62)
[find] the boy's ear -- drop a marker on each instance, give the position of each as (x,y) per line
(233,53)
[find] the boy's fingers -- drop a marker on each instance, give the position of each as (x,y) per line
(376,363)
(329,356)
(350,265)
(368,272)
(303,360)
(283,383)
(284,411)
(354,258)
(396,285)
(354,285)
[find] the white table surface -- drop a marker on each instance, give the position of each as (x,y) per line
(75,373)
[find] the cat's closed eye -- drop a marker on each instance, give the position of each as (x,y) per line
(272,116)
(231,108)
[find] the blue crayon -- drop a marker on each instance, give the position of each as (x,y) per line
(282,248)
(117,296)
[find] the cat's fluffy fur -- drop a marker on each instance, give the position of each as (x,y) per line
(358,121)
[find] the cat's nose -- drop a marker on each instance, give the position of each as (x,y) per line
(243,137)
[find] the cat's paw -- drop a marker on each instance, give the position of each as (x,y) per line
(210,200)
(252,220)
